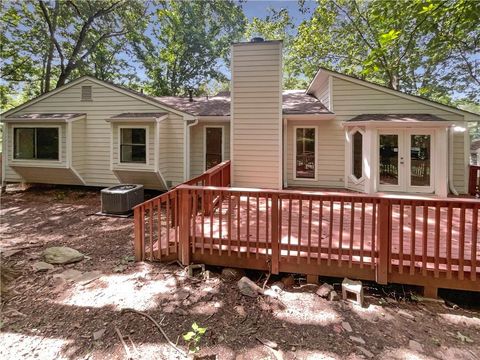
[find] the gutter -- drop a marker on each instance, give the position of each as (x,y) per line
(450,162)
(186,149)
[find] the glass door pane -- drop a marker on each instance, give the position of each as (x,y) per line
(213,144)
(420,167)
(388,159)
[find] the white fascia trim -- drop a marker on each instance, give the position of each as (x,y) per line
(398,124)
(44,120)
(213,118)
(138,119)
(309,116)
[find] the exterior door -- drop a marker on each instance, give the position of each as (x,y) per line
(405,162)
(213,146)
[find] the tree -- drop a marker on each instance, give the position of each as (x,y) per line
(278,25)
(187,44)
(395,44)
(46,43)
(79,28)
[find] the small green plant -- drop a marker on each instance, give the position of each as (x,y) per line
(193,337)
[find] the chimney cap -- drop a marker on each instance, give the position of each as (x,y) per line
(257,39)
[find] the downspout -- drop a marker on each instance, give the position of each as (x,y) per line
(157,150)
(450,162)
(187,149)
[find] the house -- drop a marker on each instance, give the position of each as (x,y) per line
(475,152)
(341,132)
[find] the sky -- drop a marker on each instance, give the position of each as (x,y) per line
(259,8)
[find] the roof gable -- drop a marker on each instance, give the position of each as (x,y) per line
(322,72)
(125,91)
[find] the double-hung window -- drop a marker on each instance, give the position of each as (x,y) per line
(133,145)
(305,152)
(36,143)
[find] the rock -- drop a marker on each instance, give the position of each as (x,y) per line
(358,340)
(61,255)
(333,296)
(346,326)
(230,274)
(88,277)
(248,288)
(70,275)
(270,293)
(324,290)
(365,352)
(406,315)
(97,335)
(288,281)
(42,266)
(415,346)
(8,253)
(266,342)
(181,312)
(119,269)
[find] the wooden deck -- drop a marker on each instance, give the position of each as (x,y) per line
(418,241)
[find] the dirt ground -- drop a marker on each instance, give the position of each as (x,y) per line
(46,317)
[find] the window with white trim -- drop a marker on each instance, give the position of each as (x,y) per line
(305,156)
(36,143)
(357,155)
(133,145)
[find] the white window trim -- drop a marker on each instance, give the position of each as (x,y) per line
(204,153)
(119,147)
(295,153)
(351,176)
(15,161)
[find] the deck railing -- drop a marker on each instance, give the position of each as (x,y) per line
(157,220)
(410,240)
(474,180)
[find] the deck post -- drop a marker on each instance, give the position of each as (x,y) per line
(275,233)
(184,228)
(383,241)
(139,234)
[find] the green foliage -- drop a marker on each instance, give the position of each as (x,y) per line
(278,25)
(44,44)
(188,44)
(193,337)
(424,47)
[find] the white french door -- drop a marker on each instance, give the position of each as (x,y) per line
(405,160)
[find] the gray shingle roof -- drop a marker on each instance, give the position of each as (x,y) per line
(133,115)
(294,102)
(44,116)
(396,117)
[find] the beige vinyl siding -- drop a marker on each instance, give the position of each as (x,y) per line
(48,175)
(149,180)
(78,146)
(172,132)
(197,145)
(12,175)
(322,92)
(256,114)
(97,132)
(330,166)
(351,99)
